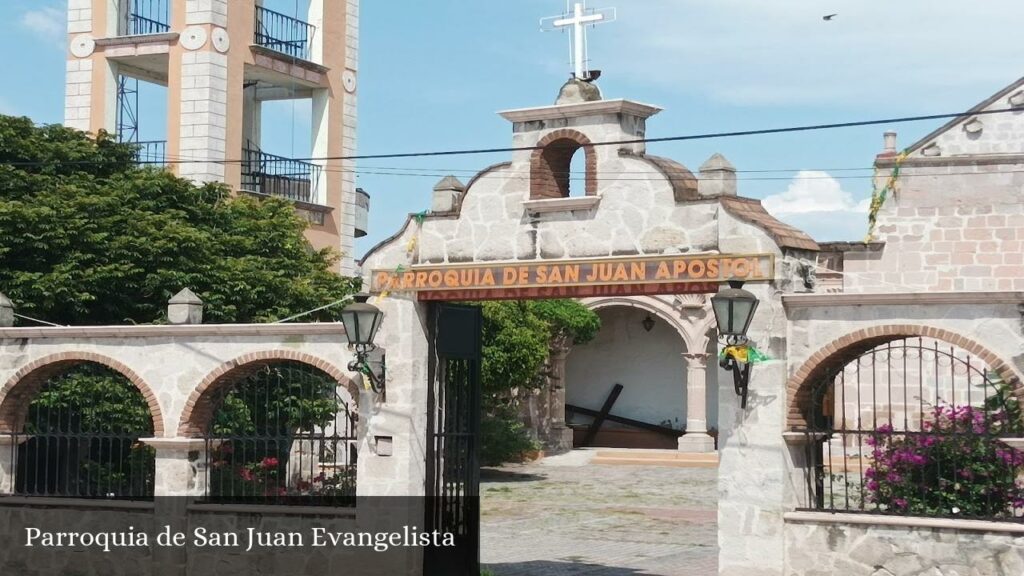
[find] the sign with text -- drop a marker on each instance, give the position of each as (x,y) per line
(621,276)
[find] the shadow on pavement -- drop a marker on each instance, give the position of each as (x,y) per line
(496,475)
(559,568)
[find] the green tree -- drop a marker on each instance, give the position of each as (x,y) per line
(90,238)
(517,337)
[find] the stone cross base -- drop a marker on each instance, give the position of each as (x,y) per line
(696,442)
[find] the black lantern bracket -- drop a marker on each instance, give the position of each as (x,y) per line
(740,377)
(734,308)
(369,362)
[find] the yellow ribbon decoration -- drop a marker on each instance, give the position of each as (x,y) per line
(878,196)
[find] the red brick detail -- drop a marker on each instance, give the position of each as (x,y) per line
(20,389)
(841,351)
(198,412)
(550,163)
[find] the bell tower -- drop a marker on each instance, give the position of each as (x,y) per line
(219,62)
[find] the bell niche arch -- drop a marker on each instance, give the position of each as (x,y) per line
(551,165)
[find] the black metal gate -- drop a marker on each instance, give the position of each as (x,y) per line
(453,465)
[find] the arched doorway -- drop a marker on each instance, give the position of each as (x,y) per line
(642,353)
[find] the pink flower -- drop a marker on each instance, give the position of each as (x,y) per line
(269,462)
(246,474)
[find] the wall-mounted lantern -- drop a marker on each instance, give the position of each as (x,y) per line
(361,322)
(648,322)
(734,308)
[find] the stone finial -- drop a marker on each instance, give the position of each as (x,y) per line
(6,311)
(577,91)
(889,139)
(717,177)
(447,194)
(185,308)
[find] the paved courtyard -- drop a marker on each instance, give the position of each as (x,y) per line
(545,520)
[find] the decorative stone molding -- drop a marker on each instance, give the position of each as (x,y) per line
(690,301)
(193,38)
(167,331)
(348,81)
(904,521)
(221,40)
(797,301)
(1016,99)
(83,45)
(931,150)
(543,206)
(974,126)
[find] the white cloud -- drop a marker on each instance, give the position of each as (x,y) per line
(909,54)
(816,203)
(813,191)
(48,23)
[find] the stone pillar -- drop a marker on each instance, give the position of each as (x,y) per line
(696,438)
(185,308)
(559,438)
(9,460)
(180,466)
(6,311)
(180,476)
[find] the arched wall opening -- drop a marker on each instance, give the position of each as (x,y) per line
(648,364)
(564,165)
(278,427)
(911,421)
(74,424)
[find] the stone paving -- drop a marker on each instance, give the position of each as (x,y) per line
(542,520)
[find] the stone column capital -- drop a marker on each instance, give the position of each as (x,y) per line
(696,359)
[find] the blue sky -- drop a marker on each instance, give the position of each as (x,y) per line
(433,74)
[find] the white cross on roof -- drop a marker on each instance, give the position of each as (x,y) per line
(578,19)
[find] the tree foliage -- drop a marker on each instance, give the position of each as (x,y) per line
(517,337)
(90,238)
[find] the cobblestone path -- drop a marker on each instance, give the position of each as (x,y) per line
(598,520)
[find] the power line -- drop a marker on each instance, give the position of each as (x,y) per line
(469,151)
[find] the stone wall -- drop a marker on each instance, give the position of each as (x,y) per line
(958,226)
(826,544)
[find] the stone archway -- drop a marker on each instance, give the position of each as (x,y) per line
(17,393)
(199,409)
(839,352)
(690,318)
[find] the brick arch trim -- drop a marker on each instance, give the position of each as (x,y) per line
(198,411)
(18,391)
(843,350)
(543,183)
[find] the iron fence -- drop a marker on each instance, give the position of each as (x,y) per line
(915,427)
(80,439)
(284,434)
(283,33)
(279,176)
(147,17)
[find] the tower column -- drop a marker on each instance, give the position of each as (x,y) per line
(559,435)
(696,438)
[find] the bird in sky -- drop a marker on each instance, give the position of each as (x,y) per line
(829,17)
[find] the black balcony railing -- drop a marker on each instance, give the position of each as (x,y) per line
(147,17)
(283,33)
(151,153)
(272,175)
